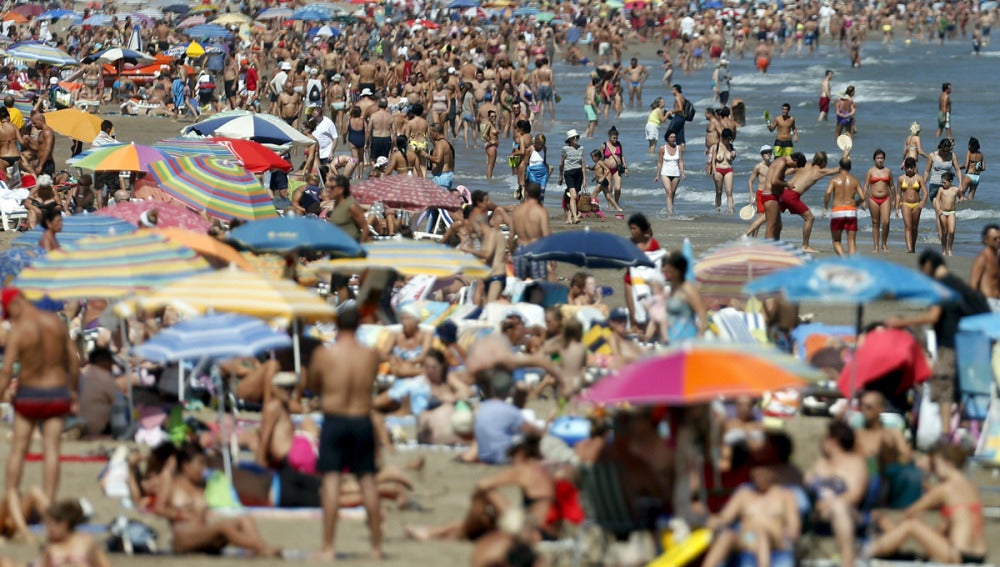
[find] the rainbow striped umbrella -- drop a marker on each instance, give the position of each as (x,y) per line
(224,189)
(236,291)
(409,258)
(723,271)
(109,267)
(77,227)
(124,157)
(37,52)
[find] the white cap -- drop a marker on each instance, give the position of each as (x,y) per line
(766,149)
(452,70)
(572,133)
(53,81)
(338,77)
(366,92)
(286,66)
(284,379)
(382,161)
(723,62)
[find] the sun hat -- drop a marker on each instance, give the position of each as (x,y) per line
(572,133)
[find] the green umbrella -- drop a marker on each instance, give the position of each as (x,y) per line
(544,17)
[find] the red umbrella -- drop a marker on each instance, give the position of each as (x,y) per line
(255,157)
(405,192)
(29,10)
(885,353)
(169,215)
(426,24)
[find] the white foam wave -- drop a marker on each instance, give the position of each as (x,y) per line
(765,79)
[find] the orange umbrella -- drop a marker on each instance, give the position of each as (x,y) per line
(206,246)
(14,17)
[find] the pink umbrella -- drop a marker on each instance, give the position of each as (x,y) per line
(405,192)
(191,21)
(169,215)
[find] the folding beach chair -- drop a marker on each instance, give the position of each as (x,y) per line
(432,224)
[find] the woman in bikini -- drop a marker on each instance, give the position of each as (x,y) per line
(491,141)
(401,160)
(912,197)
(439,106)
(722,170)
(975,164)
(406,349)
(356,137)
(182,502)
(912,146)
(963,537)
(614,159)
(881,193)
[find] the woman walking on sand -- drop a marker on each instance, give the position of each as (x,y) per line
(912,197)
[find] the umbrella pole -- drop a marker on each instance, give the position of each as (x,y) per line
(297,350)
(858,318)
(180,381)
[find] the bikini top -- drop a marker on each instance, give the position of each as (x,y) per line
(885,179)
(914,186)
(608,153)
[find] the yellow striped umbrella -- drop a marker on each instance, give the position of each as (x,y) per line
(410,258)
(236,291)
(109,267)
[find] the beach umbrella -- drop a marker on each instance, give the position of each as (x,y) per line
(422,23)
(116,54)
(275,14)
(462,4)
(544,17)
(37,52)
(254,156)
(295,234)
(14,17)
(223,189)
(74,123)
(723,271)
(209,247)
(263,128)
(109,267)
(312,14)
(209,31)
(169,215)
(179,9)
(191,21)
(124,157)
(477,13)
(193,49)
(702,372)
(325,31)
(220,336)
(854,280)
(29,10)
(409,258)
(587,249)
(13,260)
(152,13)
(888,360)
(135,38)
(98,20)
(526,11)
(985,323)
(231,18)
(405,192)
(57,14)
(77,227)
(193,147)
(236,291)
(204,8)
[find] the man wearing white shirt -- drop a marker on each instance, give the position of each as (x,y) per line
(326,136)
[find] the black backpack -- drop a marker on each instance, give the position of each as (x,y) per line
(688,110)
(315,94)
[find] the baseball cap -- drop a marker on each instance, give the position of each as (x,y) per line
(766,149)
(338,77)
(366,92)
(618,314)
(7,296)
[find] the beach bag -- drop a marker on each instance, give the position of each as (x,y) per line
(315,93)
(131,537)
(62,98)
(688,110)
(929,420)
(583,203)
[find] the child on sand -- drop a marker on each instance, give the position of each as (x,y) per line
(944,204)
(602,177)
(65,547)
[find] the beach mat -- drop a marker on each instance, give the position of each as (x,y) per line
(39,457)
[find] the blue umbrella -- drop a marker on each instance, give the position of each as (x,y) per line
(179,9)
(13,260)
(985,323)
(219,336)
(526,11)
(98,20)
(712,5)
(286,234)
(461,4)
(312,14)
(587,249)
(324,31)
(263,128)
(209,31)
(56,14)
(76,227)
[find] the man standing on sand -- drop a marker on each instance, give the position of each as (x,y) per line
(529,222)
(637,75)
(775,185)
(843,187)
(759,174)
(43,146)
(787,132)
(791,200)
(492,251)
(344,375)
(986,268)
(824,95)
(46,390)
(944,111)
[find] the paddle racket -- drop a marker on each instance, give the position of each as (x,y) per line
(767,117)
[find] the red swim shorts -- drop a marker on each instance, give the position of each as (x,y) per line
(850,224)
(39,404)
(715,51)
(760,201)
(762,64)
(792,201)
(824,104)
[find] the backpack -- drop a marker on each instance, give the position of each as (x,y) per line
(131,537)
(315,93)
(688,110)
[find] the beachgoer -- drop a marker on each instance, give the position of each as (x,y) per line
(888,447)
(943,160)
(881,193)
(613,155)
(944,111)
(775,185)
(723,157)
(912,197)
(759,174)
(590,106)
(845,192)
(985,276)
(345,211)
(686,317)
(845,110)
(641,234)
(406,349)
(945,204)
(824,95)
(571,171)
(442,158)
(676,115)
(657,116)
(670,168)
(65,546)
(52,222)
(912,147)
(492,251)
(787,134)
(529,222)
(975,165)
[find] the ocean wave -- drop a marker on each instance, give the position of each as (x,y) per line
(765,79)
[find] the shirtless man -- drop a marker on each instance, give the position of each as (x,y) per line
(229,76)
(46,391)
(43,145)
(985,269)
(366,72)
(767,511)
(543,82)
(529,222)
(944,111)
(10,141)
(774,185)
(787,132)
(636,75)
(290,105)
(493,252)
(842,189)
(590,107)
(791,199)
(759,174)
(380,131)
(824,95)
(840,480)
(442,158)
(344,375)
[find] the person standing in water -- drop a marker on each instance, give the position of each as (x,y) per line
(759,174)
(944,111)
(846,193)
(824,95)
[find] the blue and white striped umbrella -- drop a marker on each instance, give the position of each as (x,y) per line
(13,260)
(209,31)
(312,14)
(57,14)
(213,336)
(275,14)
(98,20)
(194,147)
(76,227)
(38,52)
(263,128)
(152,13)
